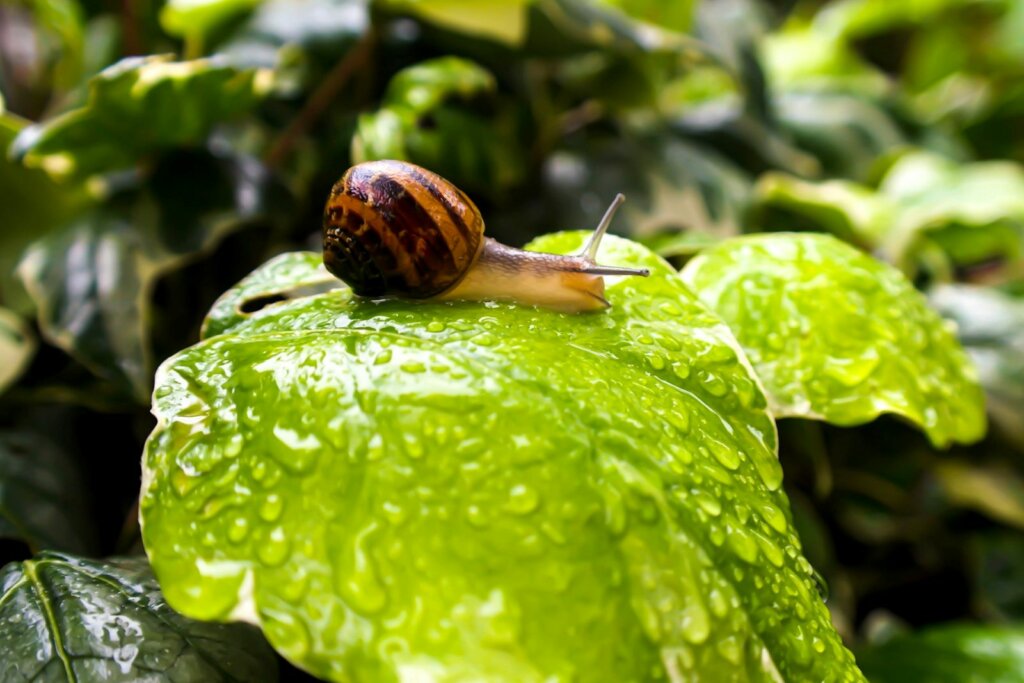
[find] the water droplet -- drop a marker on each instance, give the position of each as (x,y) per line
(656,361)
(383,357)
(707,503)
(182,482)
(681,369)
(413,367)
(359,584)
(713,384)
(724,454)
(272,507)
(731,649)
(769,469)
(522,500)
(773,515)
(375,448)
(694,622)
(719,605)
(485,339)
(435,326)
(475,516)
(296,452)
(239,530)
(273,551)
(743,544)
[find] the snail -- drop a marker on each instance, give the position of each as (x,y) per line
(394,229)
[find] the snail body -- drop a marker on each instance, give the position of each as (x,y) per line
(394,229)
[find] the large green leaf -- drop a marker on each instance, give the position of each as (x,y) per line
(67,619)
(470,491)
(139,106)
(838,336)
(949,654)
(42,495)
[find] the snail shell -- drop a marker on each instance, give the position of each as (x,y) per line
(394,228)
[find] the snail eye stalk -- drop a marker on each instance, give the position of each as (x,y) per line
(589,251)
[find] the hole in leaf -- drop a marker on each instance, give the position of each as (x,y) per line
(260,302)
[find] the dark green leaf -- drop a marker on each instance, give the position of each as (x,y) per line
(949,654)
(67,619)
(998,560)
(42,495)
(92,282)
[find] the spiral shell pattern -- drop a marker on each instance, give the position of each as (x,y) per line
(392,228)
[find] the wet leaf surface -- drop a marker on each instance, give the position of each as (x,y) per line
(836,335)
(68,619)
(482,490)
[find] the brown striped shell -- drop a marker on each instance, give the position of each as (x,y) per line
(392,228)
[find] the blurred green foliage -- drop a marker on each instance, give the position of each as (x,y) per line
(157,152)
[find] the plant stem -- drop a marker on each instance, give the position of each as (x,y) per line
(320,99)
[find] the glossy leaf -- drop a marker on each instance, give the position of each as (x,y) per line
(42,495)
(68,619)
(17,345)
(92,282)
(423,120)
(541,495)
(965,653)
(136,107)
(838,336)
(850,211)
(990,325)
(424,86)
(974,212)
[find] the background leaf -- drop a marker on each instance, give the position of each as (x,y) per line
(950,654)
(837,336)
(42,495)
(136,107)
